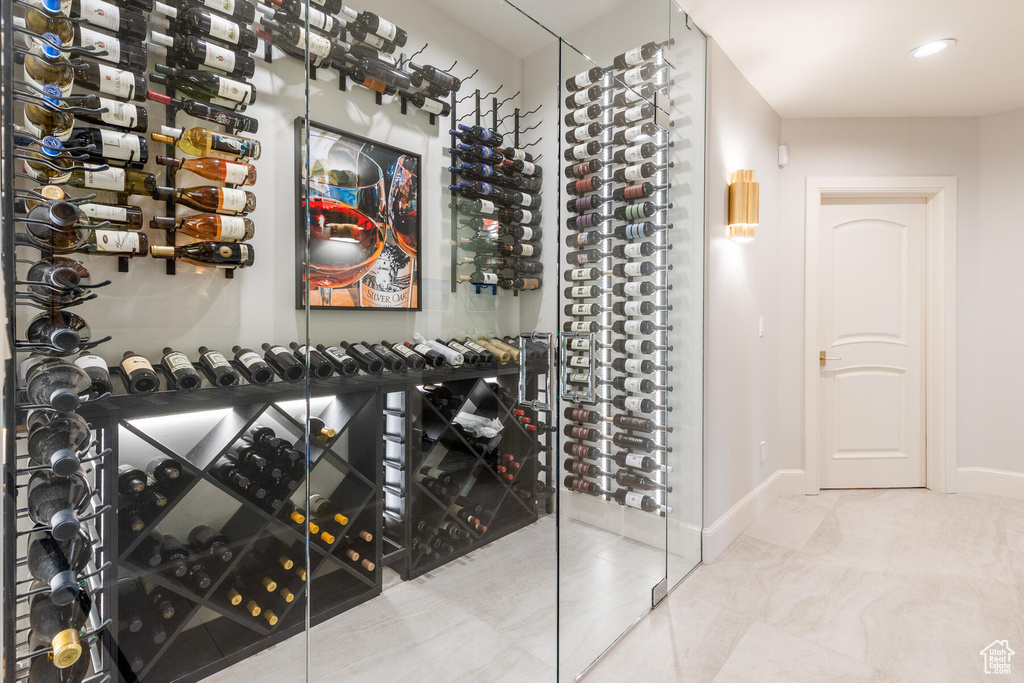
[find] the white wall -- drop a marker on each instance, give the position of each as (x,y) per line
(889,147)
(741,397)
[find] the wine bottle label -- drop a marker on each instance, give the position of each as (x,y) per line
(581,98)
(582,133)
(579,362)
(488,278)
(117,241)
(580,467)
(527,234)
(370,39)
(635,500)
(485,206)
(235,91)
(529,168)
(112,178)
(432,106)
(580,450)
(634,154)
(99,13)
(232,227)
(635,404)
(635,212)
(581,414)
(633,289)
(632,308)
(579,327)
(386,30)
(235,174)
(580,170)
(581,485)
(581,432)
(526,250)
(630,422)
(217,57)
(633,269)
(225,6)
(634,173)
(582,80)
(318,45)
(630,96)
(527,216)
(581,274)
(216,359)
(101,41)
(486,188)
(634,56)
(633,365)
(404,350)
(124,146)
(91,361)
(278,350)
(579,377)
(634,76)
(232,200)
(633,134)
(580,152)
(250,358)
(103,212)
(634,113)
(582,309)
(224,29)
(579,344)
(515,154)
(133,363)
(177,361)
(423,349)
(119,113)
(632,384)
(633,192)
(116,82)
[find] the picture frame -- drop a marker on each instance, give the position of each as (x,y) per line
(363,223)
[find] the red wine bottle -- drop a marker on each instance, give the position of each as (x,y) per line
(184,376)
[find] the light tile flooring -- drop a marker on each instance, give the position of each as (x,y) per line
(902,586)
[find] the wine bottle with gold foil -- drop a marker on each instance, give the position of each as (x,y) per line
(208,254)
(210,198)
(219,170)
(199,142)
(208,226)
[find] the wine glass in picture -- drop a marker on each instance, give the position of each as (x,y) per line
(402,209)
(346,214)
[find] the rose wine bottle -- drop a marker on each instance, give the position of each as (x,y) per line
(219,170)
(207,226)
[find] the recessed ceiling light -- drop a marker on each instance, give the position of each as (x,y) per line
(933,48)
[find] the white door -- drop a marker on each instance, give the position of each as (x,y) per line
(871,328)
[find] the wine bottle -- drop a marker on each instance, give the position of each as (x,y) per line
(584,133)
(195,52)
(360,34)
(59,625)
(369,361)
(576,483)
(292,38)
(56,501)
(55,439)
(199,142)
(639,481)
(139,375)
(210,198)
(46,65)
(323,509)
(125,22)
(583,292)
(57,564)
(585,221)
(284,363)
(252,366)
(636,56)
(413,360)
(584,185)
(344,364)
(130,480)
(392,361)
(208,112)
(636,500)
(207,86)
(632,95)
(208,226)
(322,22)
(124,180)
(216,368)
(478,135)
(221,170)
(584,169)
(179,368)
(47,118)
(584,79)
(127,217)
(61,331)
(633,114)
(433,358)
(211,541)
(111,145)
(636,153)
(53,382)
(584,204)
(587,149)
(636,76)
(108,80)
(237,10)
(584,98)
(383,28)
(583,469)
(635,133)
(481,153)
(319,366)
(50,164)
(232,475)
(200,21)
(126,54)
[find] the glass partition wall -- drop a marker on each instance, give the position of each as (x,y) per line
(294,362)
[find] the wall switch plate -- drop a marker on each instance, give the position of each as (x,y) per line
(760,326)
(762,452)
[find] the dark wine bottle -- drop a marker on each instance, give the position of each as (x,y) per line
(179,368)
(211,541)
(57,501)
(108,80)
(208,112)
(383,28)
(111,146)
(369,361)
(139,374)
(58,563)
(207,86)
(199,21)
(636,500)
(284,363)
(217,368)
(344,364)
(195,52)
(59,625)
(636,56)
(576,483)
(55,440)
(319,366)
(252,366)
(582,468)
(98,372)
(413,360)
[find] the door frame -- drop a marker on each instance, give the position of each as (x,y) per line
(940,194)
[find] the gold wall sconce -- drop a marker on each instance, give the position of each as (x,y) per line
(744,198)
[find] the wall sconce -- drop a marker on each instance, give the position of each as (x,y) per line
(744,197)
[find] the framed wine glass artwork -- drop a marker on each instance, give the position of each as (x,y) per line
(359,201)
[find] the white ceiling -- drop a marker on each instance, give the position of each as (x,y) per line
(827,58)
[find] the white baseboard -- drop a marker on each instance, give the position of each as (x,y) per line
(993,482)
(727,528)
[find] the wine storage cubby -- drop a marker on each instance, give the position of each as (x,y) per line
(616,344)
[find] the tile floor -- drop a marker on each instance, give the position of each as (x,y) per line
(905,586)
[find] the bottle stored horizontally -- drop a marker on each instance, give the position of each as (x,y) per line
(283,362)
(179,368)
(140,377)
(220,170)
(195,52)
(207,86)
(199,142)
(208,226)
(209,254)
(208,112)
(319,366)
(370,362)
(252,366)
(344,364)
(224,200)
(217,368)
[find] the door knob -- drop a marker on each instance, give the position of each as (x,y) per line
(822,358)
